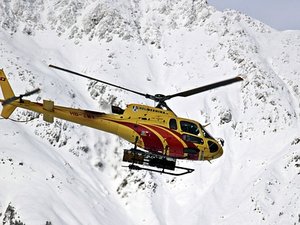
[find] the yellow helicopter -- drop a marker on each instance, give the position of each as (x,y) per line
(160,135)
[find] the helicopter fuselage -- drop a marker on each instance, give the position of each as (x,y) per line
(153,129)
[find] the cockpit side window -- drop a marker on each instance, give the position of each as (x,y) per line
(193,139)
(173,124)
(189,127)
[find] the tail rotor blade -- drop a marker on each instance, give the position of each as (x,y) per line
(9,100)
(31,92)
(12,99)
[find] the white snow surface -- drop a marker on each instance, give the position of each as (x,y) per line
(63,173)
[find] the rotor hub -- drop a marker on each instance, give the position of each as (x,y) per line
(159,97)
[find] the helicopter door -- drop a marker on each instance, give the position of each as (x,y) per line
(147,137)
(191,137)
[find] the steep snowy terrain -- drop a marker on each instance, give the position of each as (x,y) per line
(63,173)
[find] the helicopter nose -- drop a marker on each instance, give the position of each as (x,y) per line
(215,148)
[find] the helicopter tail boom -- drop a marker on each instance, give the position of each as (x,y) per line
(7,94)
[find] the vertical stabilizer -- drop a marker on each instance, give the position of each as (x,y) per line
(5,86)
(7,93)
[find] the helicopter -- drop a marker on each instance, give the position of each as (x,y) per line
(158,135)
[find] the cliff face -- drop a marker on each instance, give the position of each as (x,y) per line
(142,20)
(62,173)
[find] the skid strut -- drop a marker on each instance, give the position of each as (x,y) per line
(162,162)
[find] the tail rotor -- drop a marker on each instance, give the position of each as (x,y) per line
(20,97)
(9,96)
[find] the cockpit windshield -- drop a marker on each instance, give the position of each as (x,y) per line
(194,128)
(205,133)
(189,127)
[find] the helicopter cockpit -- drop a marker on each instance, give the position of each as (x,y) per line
(196,133)
(190,127)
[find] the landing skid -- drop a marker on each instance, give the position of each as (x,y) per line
(163,171)
(147,160)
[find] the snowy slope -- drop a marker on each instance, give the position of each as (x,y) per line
(66,174)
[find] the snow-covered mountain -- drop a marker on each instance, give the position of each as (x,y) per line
(63,173)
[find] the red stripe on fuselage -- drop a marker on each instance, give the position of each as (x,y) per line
(175,146)
(150,139)
(189,145)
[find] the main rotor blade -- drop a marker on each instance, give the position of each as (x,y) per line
(104,82)
(205,88)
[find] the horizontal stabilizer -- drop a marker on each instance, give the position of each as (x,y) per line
(48,106)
